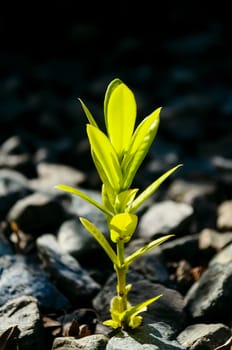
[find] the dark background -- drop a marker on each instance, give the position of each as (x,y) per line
(171,54)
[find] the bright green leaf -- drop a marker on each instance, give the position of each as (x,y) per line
(106,156)
(100,238)
(135,321)
(120,109)
(84,196)
(135,310)
(124,200)
(146,248)
(122,227)
(108,198)
(139,146)
(88,113)
(108,194)
(151,189)
(110,88)
(112,324)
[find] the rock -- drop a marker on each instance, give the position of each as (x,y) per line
(224,220)
(37,213)
(164,218)
(213,240)
(184,191)
(224,256)
(76,241)
(23,312)
(208,298)
(65,272)
(50,175)
(91,342)
(151,264)
(13,186)
(146,337)
(182,248)
(22,275)
(15,155)
(204,336)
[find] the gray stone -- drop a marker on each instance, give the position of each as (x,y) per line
(140,339)
(37,213)
(179,248)
(164,218)
(50,175)
(22,275)
(187,191)
(208,298)
(224,256)
(13,186)
(151,264)
(204,336)
(65,271)
(75,240)
(23,312)
(91,342)
(224,220)
(213,240)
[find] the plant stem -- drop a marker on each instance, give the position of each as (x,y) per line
(121,274)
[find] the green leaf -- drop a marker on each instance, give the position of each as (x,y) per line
(100,238)
(151,189)
(84,196)
(88,114)
(139,147)
(135,310)
(120,116)
(129,316)
(110,88)
(109,192)
(108,199)
(111,323)
(106,156)
(122,226)
(124,200)
(146,248)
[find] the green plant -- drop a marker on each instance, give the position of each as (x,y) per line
(117,155)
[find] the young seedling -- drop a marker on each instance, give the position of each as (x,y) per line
(117,155)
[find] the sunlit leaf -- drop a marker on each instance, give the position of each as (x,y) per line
(106,156)
(146,248)
(111,323)
(100,238)
(122,227)
(120,115)
(151,189)
(124,200)
(84,196)
(139,147)
(108,198)
(135,310)
(110,88)
(88,114)
(135,321)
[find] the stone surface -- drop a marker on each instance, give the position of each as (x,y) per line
(24,313)
(21,275)
(164,218)
(207,336)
